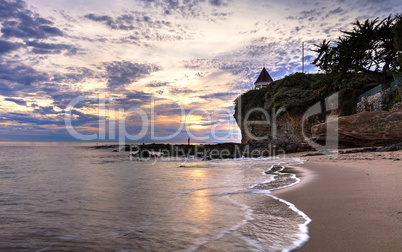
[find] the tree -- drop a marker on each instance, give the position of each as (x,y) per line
(368,48)
(397,31)
(324,58)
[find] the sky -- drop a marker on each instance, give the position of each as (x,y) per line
(152,70)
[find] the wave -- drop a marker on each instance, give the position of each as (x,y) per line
(272,228)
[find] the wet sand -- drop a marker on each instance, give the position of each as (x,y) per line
(354,201)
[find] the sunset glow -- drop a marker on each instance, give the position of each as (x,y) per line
(170,58)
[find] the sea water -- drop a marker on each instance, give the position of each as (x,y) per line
(70,197)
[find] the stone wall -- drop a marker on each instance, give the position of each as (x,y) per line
(375,102)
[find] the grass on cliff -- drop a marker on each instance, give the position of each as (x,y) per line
(303,90)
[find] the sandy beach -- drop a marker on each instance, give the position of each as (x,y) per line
(354,201)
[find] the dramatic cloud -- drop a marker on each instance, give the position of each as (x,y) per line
(74,75)
(19,22)
(187,8)
(11,72)
(6,46)
(183,54)
(142,27)
(17,101)
(124,72)
(230,95)
(310,15)
(157,84)
(219,2)
(10,9)
(51,48)
(129,21)
(338,11)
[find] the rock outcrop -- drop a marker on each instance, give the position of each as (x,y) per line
(366,129)
(283,131)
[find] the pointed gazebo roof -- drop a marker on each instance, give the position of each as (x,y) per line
(264,77)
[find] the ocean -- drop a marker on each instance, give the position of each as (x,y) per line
(70,197)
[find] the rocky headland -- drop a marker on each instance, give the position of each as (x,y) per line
(287,125)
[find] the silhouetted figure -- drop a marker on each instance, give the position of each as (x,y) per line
(188,141)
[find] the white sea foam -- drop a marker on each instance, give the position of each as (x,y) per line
(303,228)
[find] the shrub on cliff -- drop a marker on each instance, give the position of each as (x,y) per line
(327,84)
(253,98)
(293,90)
(303,90)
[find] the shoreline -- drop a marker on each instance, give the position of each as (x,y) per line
(354,201)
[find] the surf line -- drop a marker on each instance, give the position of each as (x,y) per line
(303,228)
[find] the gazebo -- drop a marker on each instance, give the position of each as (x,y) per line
(263,80)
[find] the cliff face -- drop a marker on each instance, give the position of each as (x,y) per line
(278,112)
(283,131)
(359,130)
